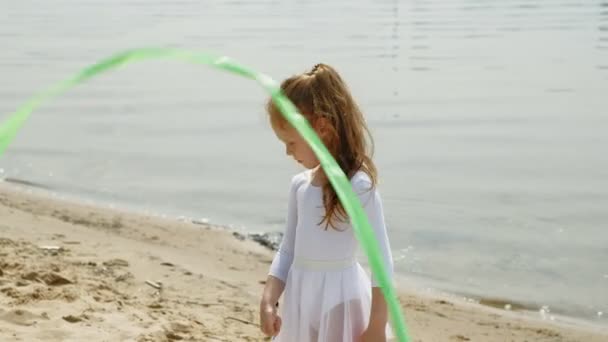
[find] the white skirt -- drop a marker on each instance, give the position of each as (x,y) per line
(325,301)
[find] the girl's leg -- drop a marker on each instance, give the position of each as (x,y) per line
(313,334)
(343,323)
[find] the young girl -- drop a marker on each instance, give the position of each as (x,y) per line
(327,296)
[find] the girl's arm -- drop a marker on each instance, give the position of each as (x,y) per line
(379,312)
(372,203)
(376,329)
(284,256)
(270,322)
(272,291)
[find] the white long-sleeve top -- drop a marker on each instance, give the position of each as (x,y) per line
(306,238)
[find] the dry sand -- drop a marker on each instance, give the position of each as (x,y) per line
(204,284)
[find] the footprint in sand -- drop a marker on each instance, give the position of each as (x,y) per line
(50,279)
(22,317)
(116,263)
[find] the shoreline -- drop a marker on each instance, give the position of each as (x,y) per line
(185,257)
(271,241)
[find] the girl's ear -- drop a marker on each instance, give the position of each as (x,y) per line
(323,127)
(325,130)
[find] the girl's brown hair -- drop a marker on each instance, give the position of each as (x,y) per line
(321,93)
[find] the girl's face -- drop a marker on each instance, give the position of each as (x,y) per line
(296,146)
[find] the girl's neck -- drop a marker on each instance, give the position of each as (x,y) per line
(318,177)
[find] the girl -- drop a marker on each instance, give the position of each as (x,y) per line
(327,295)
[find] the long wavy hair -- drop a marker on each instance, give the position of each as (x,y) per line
(321,93)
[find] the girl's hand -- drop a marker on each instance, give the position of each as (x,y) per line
(374,335)
(270,322)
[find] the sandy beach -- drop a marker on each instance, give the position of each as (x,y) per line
(76,272)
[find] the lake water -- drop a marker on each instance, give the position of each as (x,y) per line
(490,119)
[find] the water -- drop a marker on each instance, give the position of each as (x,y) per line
(490,119)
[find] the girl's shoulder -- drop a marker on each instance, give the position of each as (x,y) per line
(361,180)
(300,178)
(361,177)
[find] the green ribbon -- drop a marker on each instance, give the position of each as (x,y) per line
(341,184)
